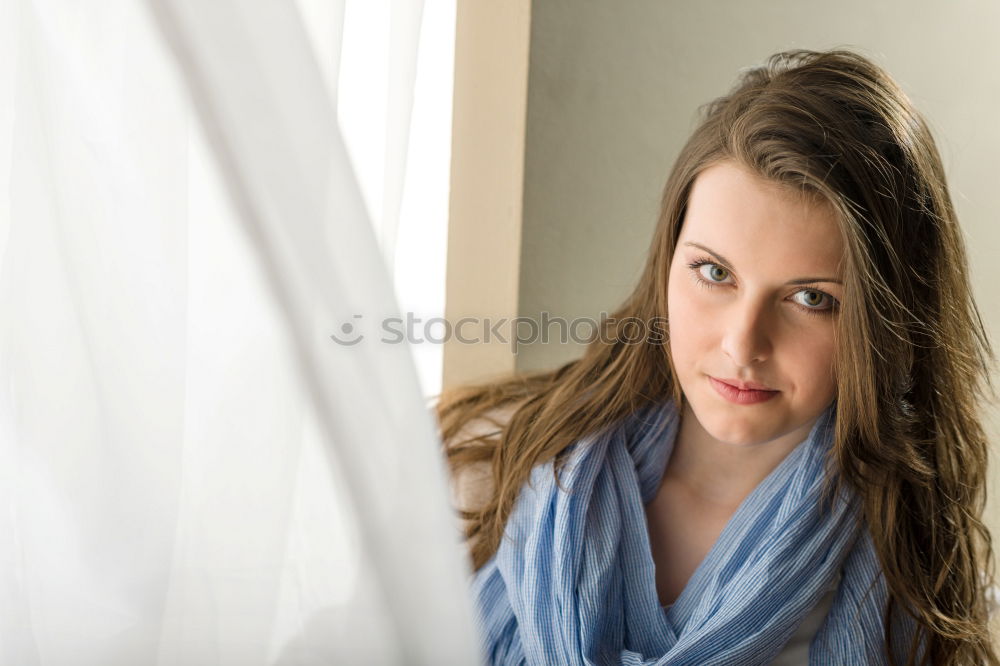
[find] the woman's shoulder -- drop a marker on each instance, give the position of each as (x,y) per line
(993,601)
(472,483)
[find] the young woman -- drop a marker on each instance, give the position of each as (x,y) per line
(789,459)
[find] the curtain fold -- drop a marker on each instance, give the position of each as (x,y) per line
(191,469)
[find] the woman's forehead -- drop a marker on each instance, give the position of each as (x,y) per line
(761,224)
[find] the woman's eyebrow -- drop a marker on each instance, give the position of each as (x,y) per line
(797,281)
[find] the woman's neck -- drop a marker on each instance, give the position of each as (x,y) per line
(720,473)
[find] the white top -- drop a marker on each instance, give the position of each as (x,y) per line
(796,650)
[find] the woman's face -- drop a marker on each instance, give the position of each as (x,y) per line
(752,297)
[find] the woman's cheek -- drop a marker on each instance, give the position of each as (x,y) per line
(690,323)
(814,356)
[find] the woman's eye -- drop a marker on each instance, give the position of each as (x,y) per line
(713,272)
(814,300)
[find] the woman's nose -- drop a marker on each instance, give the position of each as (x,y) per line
(746,338)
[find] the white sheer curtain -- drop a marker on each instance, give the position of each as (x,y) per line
(191,470)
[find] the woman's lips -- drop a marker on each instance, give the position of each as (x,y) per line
(740,397)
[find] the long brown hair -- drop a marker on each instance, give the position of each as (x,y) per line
(913,359)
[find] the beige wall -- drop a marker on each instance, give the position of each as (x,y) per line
(487,177)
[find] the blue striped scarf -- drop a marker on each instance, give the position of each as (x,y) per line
(573,581)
